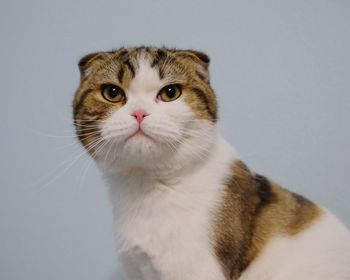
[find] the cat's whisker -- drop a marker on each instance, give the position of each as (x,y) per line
(94,133)
(107,152)
(171,145)
(189,121)
(87,121)
(76,154)
(65,136)
(164,128)
(90,161)
(200,151)
(201,133)
(82,128)
(76,142)
(71,163)
(87,126)
(83,120)
(79,125)
(115,153)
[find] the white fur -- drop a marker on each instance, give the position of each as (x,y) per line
(164,188)
(322,252)
(162,226)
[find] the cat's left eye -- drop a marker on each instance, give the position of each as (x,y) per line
(112,93)
(169,93)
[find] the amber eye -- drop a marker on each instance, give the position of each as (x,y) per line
(112,93)
(169,93)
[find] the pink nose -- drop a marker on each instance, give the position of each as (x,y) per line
(139,115)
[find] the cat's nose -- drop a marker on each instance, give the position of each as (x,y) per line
(139,115)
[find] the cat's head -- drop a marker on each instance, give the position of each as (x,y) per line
(150,108)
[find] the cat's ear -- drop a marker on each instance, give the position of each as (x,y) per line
(200,58)
(85,63)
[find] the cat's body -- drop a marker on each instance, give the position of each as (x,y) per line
(185,206)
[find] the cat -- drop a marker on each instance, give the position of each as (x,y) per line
(185,205)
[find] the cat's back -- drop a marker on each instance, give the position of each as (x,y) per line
(320,251)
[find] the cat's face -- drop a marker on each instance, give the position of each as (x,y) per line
(145,107)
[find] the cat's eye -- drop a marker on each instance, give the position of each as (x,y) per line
(169,93)
(112,93)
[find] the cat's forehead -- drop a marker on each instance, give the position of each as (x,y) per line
(152,64)
(146,77)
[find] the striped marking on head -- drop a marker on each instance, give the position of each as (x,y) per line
(186,67)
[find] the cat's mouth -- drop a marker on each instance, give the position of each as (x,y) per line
(139,134)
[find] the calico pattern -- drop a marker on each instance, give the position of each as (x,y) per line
(185,205)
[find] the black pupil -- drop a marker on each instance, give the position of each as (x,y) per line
(113,92)
(170,92)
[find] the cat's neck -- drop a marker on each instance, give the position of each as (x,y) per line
(210,171)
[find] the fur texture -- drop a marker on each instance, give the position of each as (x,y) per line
(185,206)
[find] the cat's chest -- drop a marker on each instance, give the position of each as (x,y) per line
(163,221)
(165,226)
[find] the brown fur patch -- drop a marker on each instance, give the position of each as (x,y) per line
(254,210)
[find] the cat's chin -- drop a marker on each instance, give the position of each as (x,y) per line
(151,152)
(139,151)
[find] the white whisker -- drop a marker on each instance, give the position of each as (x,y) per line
(71,163)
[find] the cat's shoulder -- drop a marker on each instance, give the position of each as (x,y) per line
(259,221)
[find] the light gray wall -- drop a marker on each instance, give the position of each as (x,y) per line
(280,70)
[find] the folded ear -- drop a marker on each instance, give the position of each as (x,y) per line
(204,58)
(200,58)
(85,63)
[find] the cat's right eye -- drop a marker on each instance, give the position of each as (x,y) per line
(112,93)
